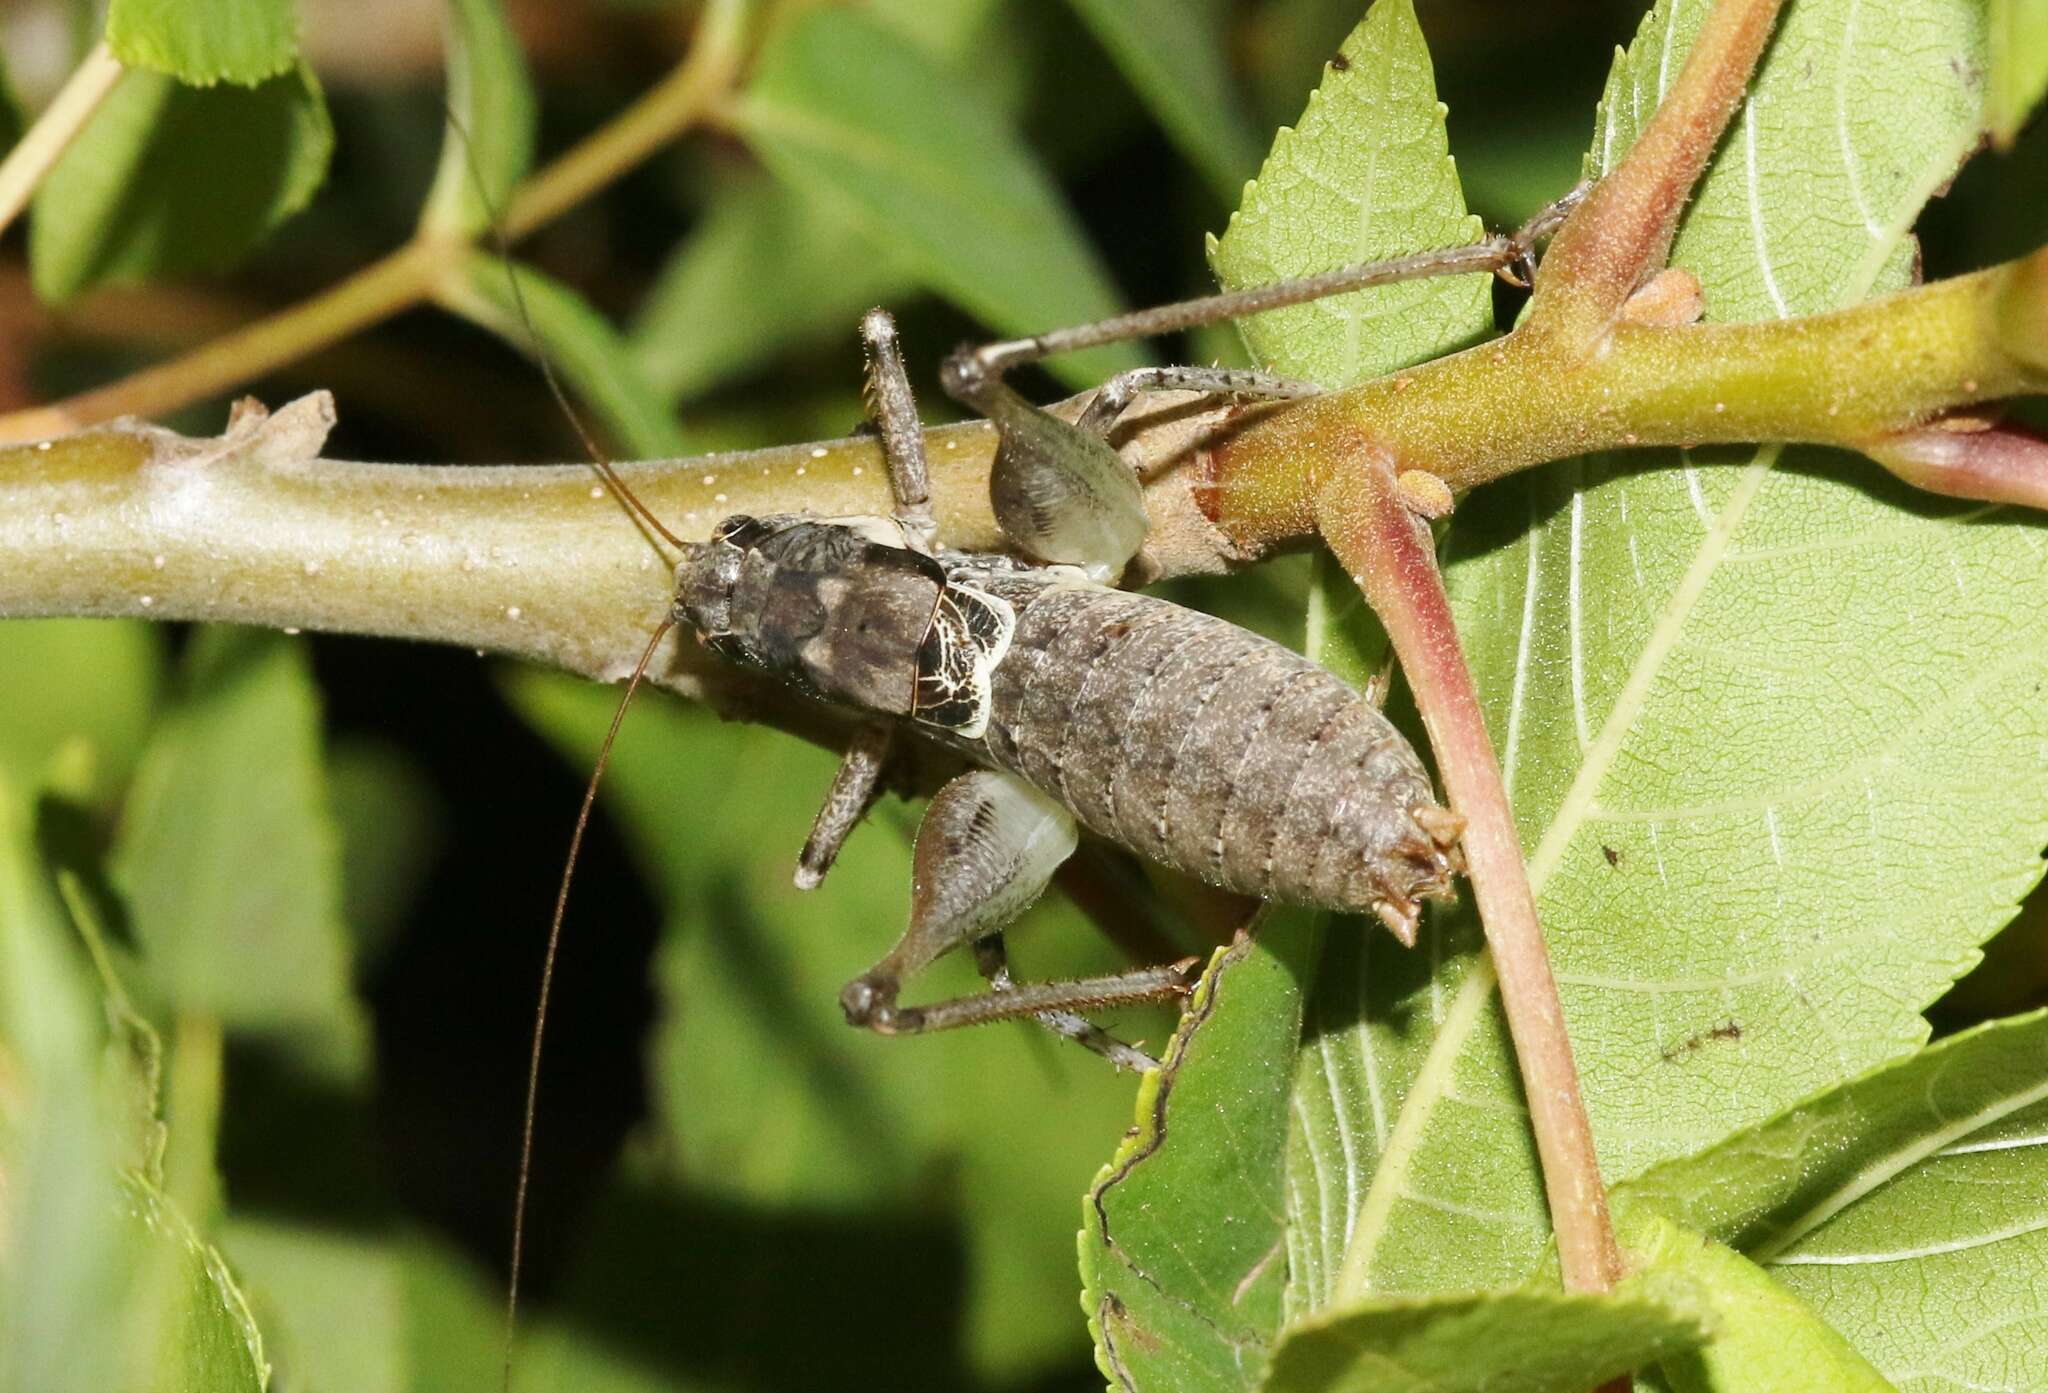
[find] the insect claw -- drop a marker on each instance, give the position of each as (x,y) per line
(1400,919)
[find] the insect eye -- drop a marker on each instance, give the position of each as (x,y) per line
(739,530)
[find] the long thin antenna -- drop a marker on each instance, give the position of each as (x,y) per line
(598,459)
(644,514)
(547,982)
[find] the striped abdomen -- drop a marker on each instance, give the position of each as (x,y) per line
(1207,748)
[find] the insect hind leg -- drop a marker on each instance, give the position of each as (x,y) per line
(1168,983)
(993,960)
(1115,396)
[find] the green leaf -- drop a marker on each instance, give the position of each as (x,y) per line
(390,824)
(1331,194)
(937,1153)
(1763,1335)
(1365,175)
(227,853)
(332,1303)
(579,342)
(133,1064)
(76,683)
(103,1285)
(168,180)
(376,1313)
(488,144)
(1736,723)
(1528,1341)
(1909,1207)
(62,1233)
(240,41)
(769,268)
(2019,65)
(845,108)
(950,31)
(1173,53)
(1182,1257)
(192,1329)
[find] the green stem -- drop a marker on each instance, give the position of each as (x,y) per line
(1850,378)
(371,295)
(1620,236)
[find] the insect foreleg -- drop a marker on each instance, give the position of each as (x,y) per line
(846,802)
(893,410)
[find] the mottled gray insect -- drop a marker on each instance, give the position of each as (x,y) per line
(1174,733)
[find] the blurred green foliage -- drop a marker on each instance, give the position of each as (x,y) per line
(319,871)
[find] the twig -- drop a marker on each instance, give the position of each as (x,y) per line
(411,274)
(36,152)
(673,105)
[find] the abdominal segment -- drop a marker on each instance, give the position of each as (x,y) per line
(1212,750)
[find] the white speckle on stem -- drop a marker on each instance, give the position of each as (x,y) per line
(513,611)
(148,601)
(817,452)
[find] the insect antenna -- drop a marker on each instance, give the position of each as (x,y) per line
(645,516)
(547,982)
(598,459)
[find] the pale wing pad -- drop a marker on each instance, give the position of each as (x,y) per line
(969,635)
